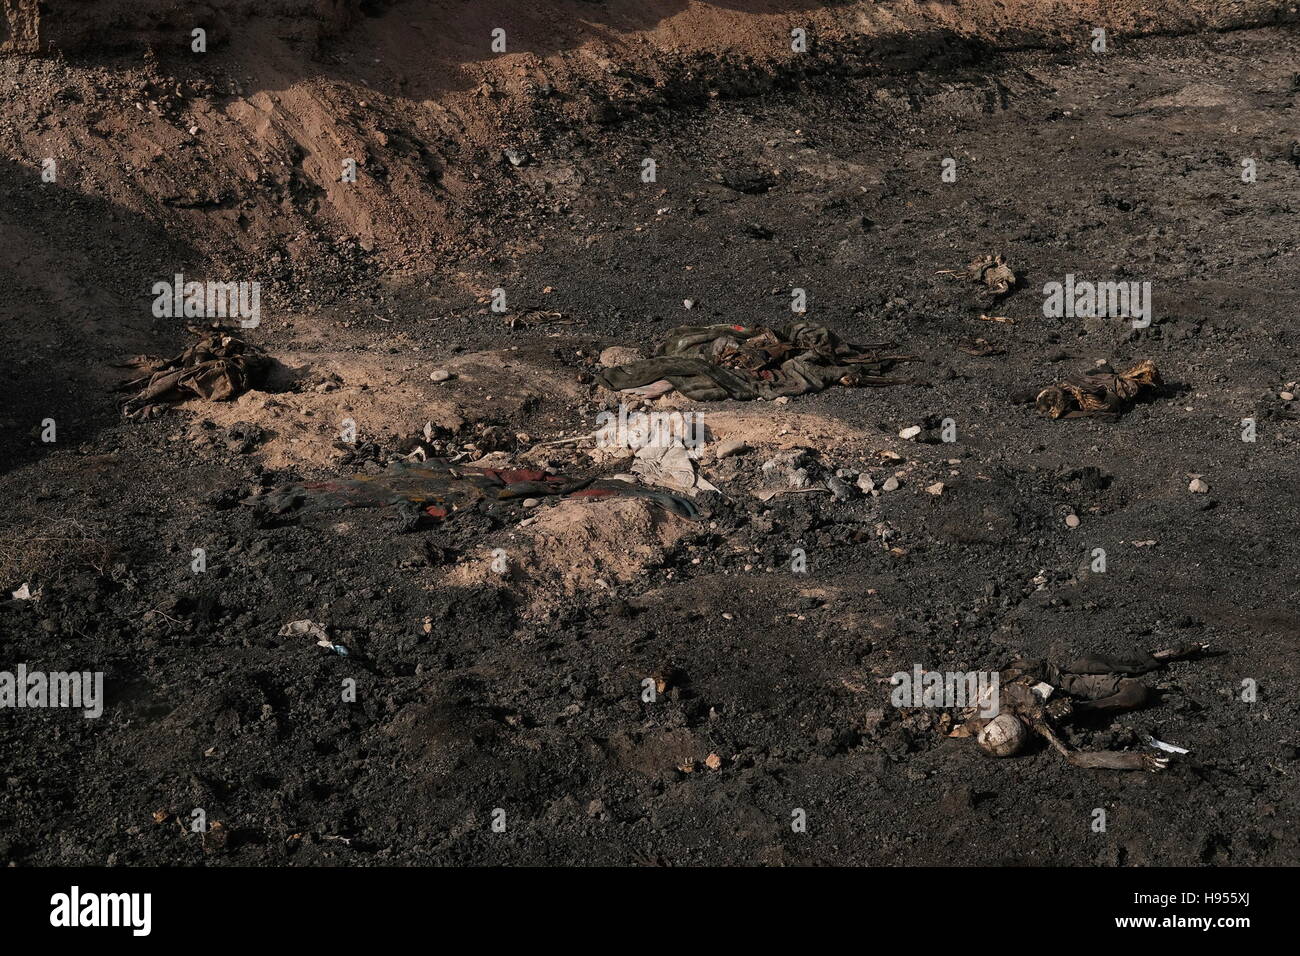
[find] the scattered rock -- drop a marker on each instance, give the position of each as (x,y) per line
(1072,521)
(910,432)
(936,488)
(732,447)
(1198,487)
(789,468)
(891,484)
(439,375)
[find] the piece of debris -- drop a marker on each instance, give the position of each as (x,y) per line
(910,432)
(936,488)
(1101,393)
(767,494)
(24,593)
(792,468)
(1161,745)
(307,628)
(218,368)
(891,483)
(991,272)
(1197,486)
(1072,521)
(715,362)
(981,347)
(439,375)
(536,318)
(670,465)
(436,488)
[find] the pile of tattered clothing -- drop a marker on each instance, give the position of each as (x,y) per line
(1102,393)
(438,489)
(217,368)
(714,362)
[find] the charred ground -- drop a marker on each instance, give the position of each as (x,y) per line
(474,696)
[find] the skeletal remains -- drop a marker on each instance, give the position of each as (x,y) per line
(1035,695)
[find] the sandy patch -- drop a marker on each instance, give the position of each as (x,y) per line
(313,396)
(575,547)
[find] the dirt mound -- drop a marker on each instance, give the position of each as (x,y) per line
(354,134)
(315,400)
(573,548)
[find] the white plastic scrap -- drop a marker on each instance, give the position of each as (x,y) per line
(1161,745)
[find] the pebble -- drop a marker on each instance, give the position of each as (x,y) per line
(1286,396)
(439,375)
(891,484)
(839,488)
(532,502)
(1198,487)
(689,303)
(1072,521)
(910,432)
(866,484)
(936,488)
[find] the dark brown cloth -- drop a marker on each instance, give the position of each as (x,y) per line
(218,368)
(715,362)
